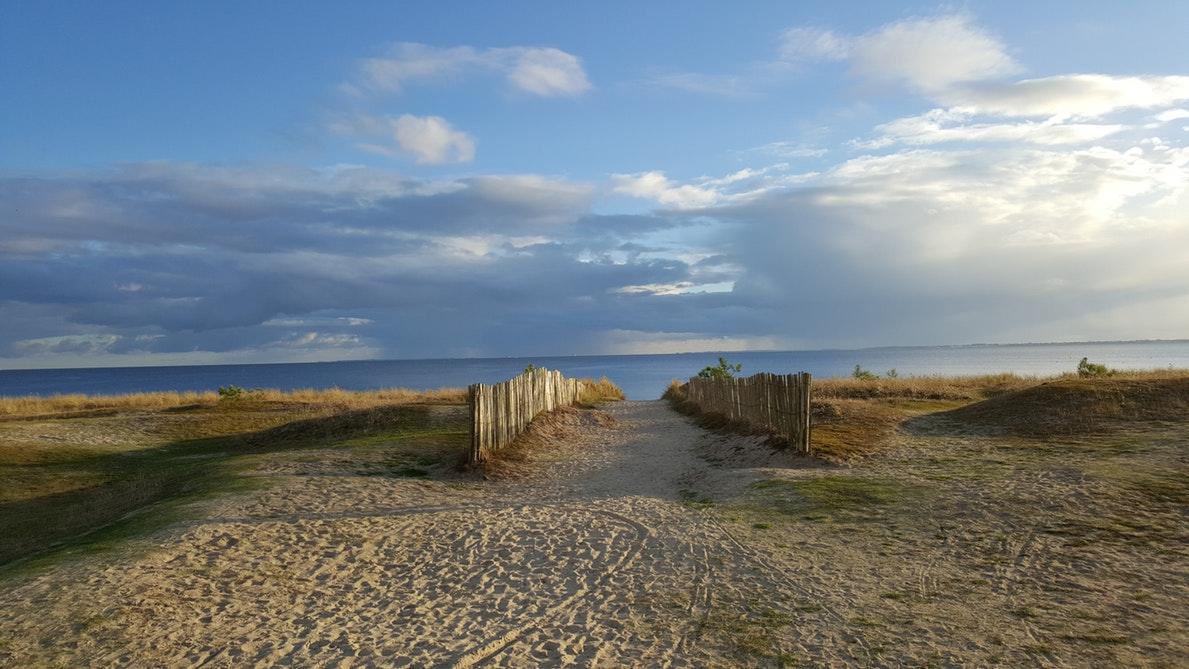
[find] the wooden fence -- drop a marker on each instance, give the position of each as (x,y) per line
(501,411)
(778,402)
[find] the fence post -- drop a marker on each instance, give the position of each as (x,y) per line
(501,411)
(778,402)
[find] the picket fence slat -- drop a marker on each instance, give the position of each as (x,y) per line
(500,412)
(777,402)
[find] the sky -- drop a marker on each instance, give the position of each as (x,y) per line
(224,182)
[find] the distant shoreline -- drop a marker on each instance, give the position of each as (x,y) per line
(1104,342)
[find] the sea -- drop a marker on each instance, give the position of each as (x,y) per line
(640,376)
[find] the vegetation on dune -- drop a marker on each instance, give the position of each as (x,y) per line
(957,388)
(602,390)
(863,374)
(1087,369)
(230,392)
(33,405)
(723,370)
(675,391)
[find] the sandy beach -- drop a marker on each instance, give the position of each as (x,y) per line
(643,542)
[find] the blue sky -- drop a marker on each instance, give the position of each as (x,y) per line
(261,182)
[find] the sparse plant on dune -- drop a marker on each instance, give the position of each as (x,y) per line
(723,370)
(863,374)
(231,392)
(1087,369)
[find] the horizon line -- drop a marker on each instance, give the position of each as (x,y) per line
(613,355)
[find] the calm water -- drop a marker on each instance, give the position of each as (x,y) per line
(641,376)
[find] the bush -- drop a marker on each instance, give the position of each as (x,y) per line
(863,374)
(1087,369)
(230,392)
(723,370)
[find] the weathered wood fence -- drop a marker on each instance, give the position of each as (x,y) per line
(778,402)
(501,411)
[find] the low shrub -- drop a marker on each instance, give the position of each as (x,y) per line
(863,374)
(230,392)
(723,370)
(1087,369)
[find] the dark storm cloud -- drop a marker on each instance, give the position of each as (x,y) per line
(911,247)
(165,258)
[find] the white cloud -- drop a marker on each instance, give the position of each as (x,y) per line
(1073,95)
(930,54)
(1088,195)
(548,72)
(430,140)
(954,125)
(542,71)
(656,186)
(1172,115)
(812,44)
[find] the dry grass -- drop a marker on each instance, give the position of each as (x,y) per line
(603,390)
(957,388)
(968,388)
(337,397)
(848,429)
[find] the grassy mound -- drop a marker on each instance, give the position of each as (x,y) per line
(124,466)
(1079,406)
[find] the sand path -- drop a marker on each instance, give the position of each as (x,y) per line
(594,560)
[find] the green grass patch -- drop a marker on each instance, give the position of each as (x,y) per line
(694,499)
(833,496)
